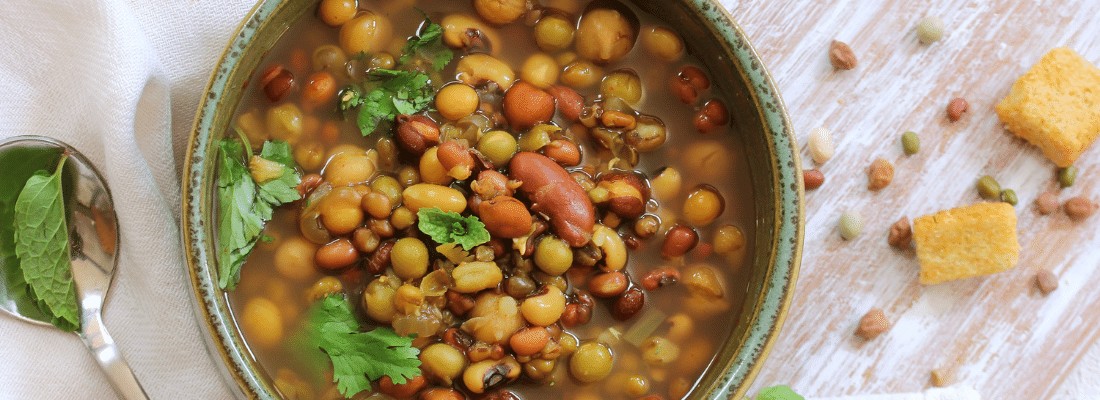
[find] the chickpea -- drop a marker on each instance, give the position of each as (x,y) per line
(340,211)
(591,362)
(410,258)
(703,205)
(540,70)
(456,100)
(500,12)
(604,35)
(624,84)
(284,122)
(544,309)
(294,258)
(388,186)
(368,33)
(553,256)
(498,147)
(262,322)
(554,32)
(581,74)
(310,156)
(442,362)
(378,299)
(337,12)
(663,43)
(349,168)
(432,170)
(324,287)
(329,58)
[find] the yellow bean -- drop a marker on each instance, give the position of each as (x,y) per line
(423,195)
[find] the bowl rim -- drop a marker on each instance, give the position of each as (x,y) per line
(764,322)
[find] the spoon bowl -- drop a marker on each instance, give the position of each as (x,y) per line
(93,242)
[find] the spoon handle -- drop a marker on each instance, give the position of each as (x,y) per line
(107,354)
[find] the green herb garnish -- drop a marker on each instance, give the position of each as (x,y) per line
(427,45)
(360,357)
(400,92)
(451,227)
(780,392)
(42,245)
(245,204)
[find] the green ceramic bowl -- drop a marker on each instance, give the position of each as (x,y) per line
(758,114)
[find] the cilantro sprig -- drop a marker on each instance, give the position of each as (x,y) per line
(359,357)
(427,45)
(450,227)
(246,204)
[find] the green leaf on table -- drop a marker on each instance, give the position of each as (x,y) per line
(245,205)
(359,357)
(42,245)
(451,227)
(779,392)
(399,92)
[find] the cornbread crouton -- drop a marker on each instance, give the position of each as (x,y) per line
(966,242)
(1056,106)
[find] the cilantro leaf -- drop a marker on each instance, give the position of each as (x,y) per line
(360,357)
(401,92)
(427,45)
(245,205)
(451,227)
(780,392)
(42,245)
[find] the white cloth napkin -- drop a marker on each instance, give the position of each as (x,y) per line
(120,81)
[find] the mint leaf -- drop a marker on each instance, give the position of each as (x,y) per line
(42,245)
(400,92)
(359,357)
(20,163)
(780,392)
(245,206)
(451,227)
(427,45)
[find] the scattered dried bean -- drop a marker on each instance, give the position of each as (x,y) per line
(988,188)
(1067,176)
(910,143)
(956,108)
(1046,281)
(1009,196)
(842,56)
(1047,203)
(850,226)
(821,145)
(1079,208)
(880,174)
(872,324)
(930,30)
(901,234)
(812,179)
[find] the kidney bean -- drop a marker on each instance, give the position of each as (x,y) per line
(608,284)
(336,254)
(569,101)
(553,192)
(277,82)
(628,304)
(678,241)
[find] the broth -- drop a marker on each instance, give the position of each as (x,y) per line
(693,316)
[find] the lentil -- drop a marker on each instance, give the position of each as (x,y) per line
(988,188)
(910,142)
(1067,176)
(851,225)
(1009,196)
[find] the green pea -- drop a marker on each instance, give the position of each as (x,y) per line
(988,188)
(553,256)
(850,226)
(1067,176)
(498,147)
(910,142)
(1009,196)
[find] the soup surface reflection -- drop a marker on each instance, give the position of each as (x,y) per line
(509,200)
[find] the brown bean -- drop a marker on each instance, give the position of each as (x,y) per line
(529,341)
(456,159)
(1079,208)
(377,205)
(553,192)
(956,107)
(687,83)
(505,217)
(490,184)
(309,182)
(872,324)
(660,277)
(812,179)
(618,120)
(402,391)
(380,259)
(712,116)
(578,312)
(679,240)
(277,82)
(1047,203)
(526,105)
(627,192)
(879,174)
(365,240)
(901,234)
(336,254)
(628,304)
(570,103)
(609,284)
(564,152)
(416,133)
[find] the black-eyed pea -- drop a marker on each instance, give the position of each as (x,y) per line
(667,184)
(612,245)
(478,68)
(486,375)
(544,309)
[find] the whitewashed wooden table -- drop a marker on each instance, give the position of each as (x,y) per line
(1002,336)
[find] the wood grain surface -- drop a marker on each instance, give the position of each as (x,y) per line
(999,333)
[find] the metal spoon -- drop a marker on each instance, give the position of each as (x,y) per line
(93,238)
